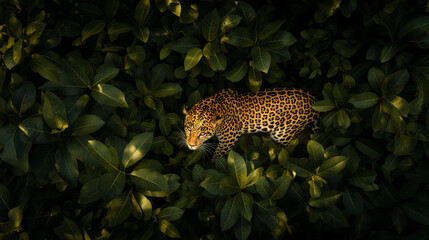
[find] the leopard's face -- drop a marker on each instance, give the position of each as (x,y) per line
(199,126)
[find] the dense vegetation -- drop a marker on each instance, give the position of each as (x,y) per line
(90,119)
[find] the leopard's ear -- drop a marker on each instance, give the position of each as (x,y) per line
(217,121)
(185,110)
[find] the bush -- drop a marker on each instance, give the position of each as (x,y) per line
(90,119)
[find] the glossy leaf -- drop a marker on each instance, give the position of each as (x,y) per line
(54,112)
(136,149)
(237,168)
(170,214)
(332,166)
(104,155)
(149,179)
(86,124)
(229,215)
(192,58)
(68,230)
(109,95)
(92,28)
(105,74)
(364,100)
(210,25)
(261,59)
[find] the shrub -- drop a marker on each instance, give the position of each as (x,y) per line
(90,119)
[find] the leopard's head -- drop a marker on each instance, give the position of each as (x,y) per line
(200,125)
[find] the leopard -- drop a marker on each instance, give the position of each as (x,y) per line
(281,112)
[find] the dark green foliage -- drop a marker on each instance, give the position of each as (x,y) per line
(90,119)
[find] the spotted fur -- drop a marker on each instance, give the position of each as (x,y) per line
(281,112)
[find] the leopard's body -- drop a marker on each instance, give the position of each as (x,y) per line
(281,112)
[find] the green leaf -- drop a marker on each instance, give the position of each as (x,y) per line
(229,185)
(399,219)
(395,106)
(17,51)
(229,22)
(54,112)
(212,182)
(346,48)
(184,44)
(417,212)
(105,74)
(263,188)
(280,187)
(395,82)
(192,58)
(334,217)
(168,229)
(270,28)
(109,95)
(244,205)
(326,199)
(242,229)
(15,152)
(362,178)
(261,59)
(210,25)
(343,119)
(149,179)
(145,205)
(388,52)
(238,71)
(68,230)
(418,24)
(92,28)
(34,31)
(111,185)
(119,209)
(353,201)
(347,7)
(105,156)
(75,70)
(78,147)
(35,130)
(142,33)
(229,214)
(279,40)
(116,28)
(45,68)
(375,77)
(316,152)
(218,61)
(89,192)
(170,214)
(364,100)
(137,148)
(247,11)
(241,37)
(340,94)
(166,89)
(332,166)
(24,97)
(6,202)
(254,176)
(368,147)
(141,12)
(74,106)
(66,166)
(237,168)
(300,166)
(323,105)
(15,216)
(255,79)
(86,124)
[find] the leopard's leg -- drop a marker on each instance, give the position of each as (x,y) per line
(228,133)
(284,136)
